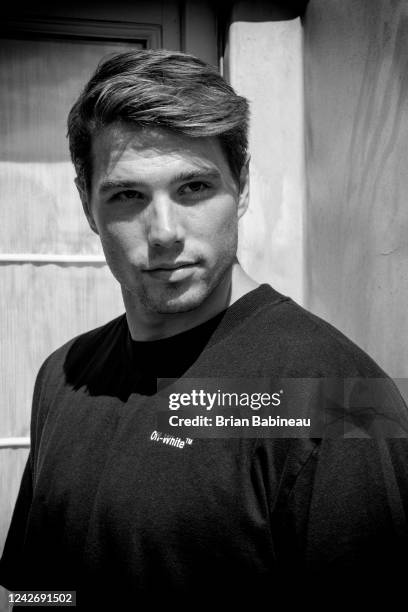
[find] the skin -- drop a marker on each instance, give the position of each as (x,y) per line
(166,208)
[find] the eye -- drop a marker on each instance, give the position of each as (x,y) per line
(195,187)
(127,195)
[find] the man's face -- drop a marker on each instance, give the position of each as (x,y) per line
(166,208)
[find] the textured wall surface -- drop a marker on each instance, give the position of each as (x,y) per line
(264,63)
(356,221)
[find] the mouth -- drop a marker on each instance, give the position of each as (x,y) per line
(172,266)
(172,272)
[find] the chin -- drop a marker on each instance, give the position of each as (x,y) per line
(171,300)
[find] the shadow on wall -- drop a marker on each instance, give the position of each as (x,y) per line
(264,10)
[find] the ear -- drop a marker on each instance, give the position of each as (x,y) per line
(243,198)
(83,194)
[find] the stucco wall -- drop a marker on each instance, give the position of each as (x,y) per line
(356,219)
(263,62)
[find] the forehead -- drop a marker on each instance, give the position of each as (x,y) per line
(122,151)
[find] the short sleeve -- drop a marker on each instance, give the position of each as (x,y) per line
(342,517)
(346,514)
(13,553)
(10,563)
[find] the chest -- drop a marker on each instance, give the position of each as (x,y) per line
(105,482)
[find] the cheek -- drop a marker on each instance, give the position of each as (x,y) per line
(219,216)
(124,234)
(217,234)
(122,244)
(221,223)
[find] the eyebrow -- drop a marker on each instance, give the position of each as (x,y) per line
(208,174)
(109,185)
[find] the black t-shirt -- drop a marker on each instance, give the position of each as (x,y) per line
(115,514)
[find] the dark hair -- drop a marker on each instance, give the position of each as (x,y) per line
(159,88)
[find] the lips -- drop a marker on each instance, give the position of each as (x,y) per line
(172,272)
(171,266)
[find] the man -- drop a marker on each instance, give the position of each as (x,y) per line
(109,507)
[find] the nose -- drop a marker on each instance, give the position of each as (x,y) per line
(163,227)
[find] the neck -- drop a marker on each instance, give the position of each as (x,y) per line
(145,326)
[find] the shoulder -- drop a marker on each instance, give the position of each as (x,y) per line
(305,343)
(82,350)
(67,369)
